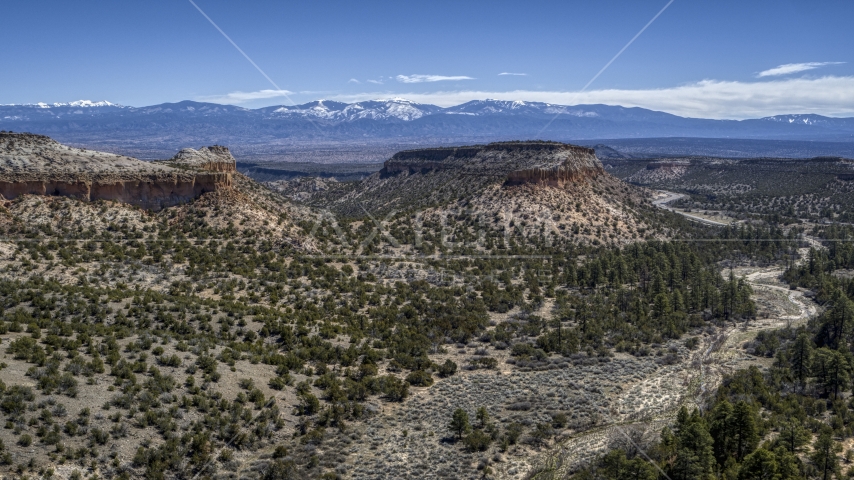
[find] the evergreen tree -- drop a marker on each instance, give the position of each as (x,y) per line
(793,436)
(743,428)
(801,355)
(615,465)
(695,459)
(482,416)
(719,428)
(837,322)
(831,369)
(460,423)
(788,465)
(759,465)
(825,454)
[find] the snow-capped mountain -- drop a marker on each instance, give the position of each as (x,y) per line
(81,103)
(75,104)
(168,126)
(517,107)
(41,110)
(190,109)
(806,119)
(398,108)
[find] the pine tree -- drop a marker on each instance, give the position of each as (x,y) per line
(482,416)
(460,423)
(837,326)
(793,436)
(801,358)
(759,465)
(682,419)
(831,370)
(788,464)
(719,428)
(662,305)
(695,457)
(616,465)
(825,454)
(743,428)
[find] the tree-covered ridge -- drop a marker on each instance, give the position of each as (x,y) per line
(791,421)
(160,312)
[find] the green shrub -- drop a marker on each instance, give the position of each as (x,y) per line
(559,420)
(420,378)
(477,441)
(447,369)
(484,362)
(513,432)
(394,388)
(173,361)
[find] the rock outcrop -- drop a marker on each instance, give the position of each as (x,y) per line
(434,176)
(215,159)
(666,165)
(37,165)
(547,163)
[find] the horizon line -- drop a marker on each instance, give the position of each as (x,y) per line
(106,103)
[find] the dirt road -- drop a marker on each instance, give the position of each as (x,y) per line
(666,197)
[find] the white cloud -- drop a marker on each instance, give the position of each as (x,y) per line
(377,82)
(244,97)
(353,80)
(514,74)
(429,78)
(830,95)
(790,68)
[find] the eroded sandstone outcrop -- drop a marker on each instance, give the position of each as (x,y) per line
(37,165)
(434,176)
(215,158)
(547,163)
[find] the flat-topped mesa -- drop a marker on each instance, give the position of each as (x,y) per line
(667,164)
(38,165)
(546,163)
(215,158)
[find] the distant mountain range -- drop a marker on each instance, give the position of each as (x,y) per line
(161,130)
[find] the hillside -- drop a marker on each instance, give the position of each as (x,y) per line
(419,178)
(241,334)
(50,187)
(551,191)
(791,190)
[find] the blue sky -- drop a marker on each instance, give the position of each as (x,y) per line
(701,58)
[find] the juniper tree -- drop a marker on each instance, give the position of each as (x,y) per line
(460,423)
(482,416)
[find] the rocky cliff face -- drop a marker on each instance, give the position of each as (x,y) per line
(37,165)
(547,163)
(215,159)
(434,176)
(569,164)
